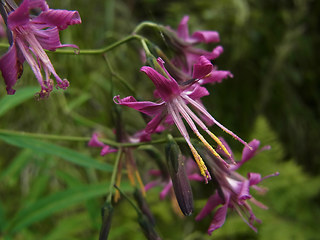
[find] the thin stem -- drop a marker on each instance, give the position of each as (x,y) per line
(129,200)
(114,74)
(114,174)
(83,139)
(91,51)
(145,24)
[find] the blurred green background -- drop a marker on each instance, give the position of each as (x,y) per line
(49,191)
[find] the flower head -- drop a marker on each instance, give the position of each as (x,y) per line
(184,44)
(31,35)
(173,107)
(233,190)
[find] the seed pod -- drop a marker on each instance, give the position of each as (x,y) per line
(106,213)
(180,181)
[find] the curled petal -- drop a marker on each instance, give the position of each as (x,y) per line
(216,77)
(248,153)
(218,219)
(146,107)
(94,141)
(197,92)
(254,178)
(202,68)
(59,18)
(49,39)
(107,149)
(206,36)
(10,68)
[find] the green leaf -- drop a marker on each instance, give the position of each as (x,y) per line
(10,101)
(12,171)
(54,203)
(55,150)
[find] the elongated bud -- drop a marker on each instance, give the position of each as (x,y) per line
(144,206)
(106,213)
(147,228)
(180,181)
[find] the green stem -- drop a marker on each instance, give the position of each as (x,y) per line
(129,200)
(91,51)
(113,176)
(145,24)
(114,74)
(83,139)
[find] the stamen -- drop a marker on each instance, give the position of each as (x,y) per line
(224,149)
(130,173)
(203,168)
(185,110)
(210,148)
(140,183)
(204,111)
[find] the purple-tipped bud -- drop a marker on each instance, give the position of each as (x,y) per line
(143,205)
(107,213)
(179,178)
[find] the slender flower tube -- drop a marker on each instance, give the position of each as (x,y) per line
(173,108)
(31,35)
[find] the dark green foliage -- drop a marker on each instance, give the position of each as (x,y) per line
(54,190)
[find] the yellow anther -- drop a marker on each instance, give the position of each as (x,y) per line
(217,140)
(200,162)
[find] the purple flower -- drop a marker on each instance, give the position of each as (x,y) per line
(234,190)
(173,108)
(31,35)
(185,44)
(95,142)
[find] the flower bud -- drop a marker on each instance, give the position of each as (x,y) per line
(180,181)
(106,213)
(147,228)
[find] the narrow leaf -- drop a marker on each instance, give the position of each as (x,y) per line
(55,150)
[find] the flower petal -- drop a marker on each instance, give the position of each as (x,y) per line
(19,16)
(197,92)
(219,216)
(146,107)
(107,149)
(94,141)
(183,31)
(49,39)
(154,123)
(59,18)
(206,36)
(166,88)
(202,68)
(213,201)
(10,67)
(216,77)
(248,153)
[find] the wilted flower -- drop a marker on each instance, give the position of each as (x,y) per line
(31,35)
(233,190)
(173,108)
